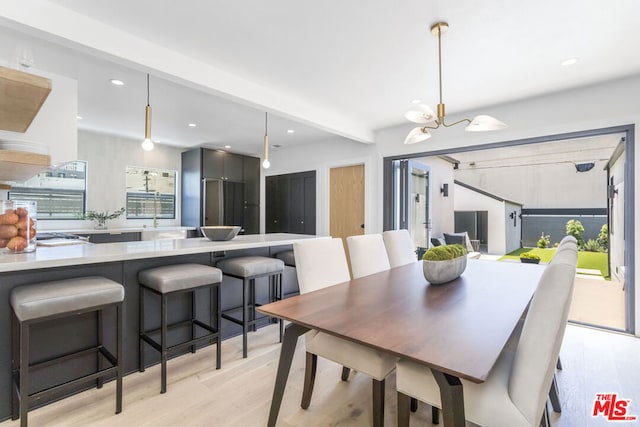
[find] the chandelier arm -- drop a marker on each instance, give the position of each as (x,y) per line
(431,127)
(456,123)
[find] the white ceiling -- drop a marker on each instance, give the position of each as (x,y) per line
(331,67)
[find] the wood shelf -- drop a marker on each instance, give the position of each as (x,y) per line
(21,165)
(21,96)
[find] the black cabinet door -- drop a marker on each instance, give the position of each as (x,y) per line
(233,167)
(291,203)
(213,164)
(252,180)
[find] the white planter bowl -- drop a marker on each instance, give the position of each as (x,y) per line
(439,272)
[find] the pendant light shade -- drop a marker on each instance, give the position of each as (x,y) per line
(417,135)
(425,115)
(266,163)
(147,144)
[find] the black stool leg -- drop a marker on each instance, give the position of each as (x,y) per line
(279,288)
(245,309)
(119,368)
(141,328)
(193,318)
(24,372)
(252,312)
(218,326)
(99,380)
(163,344)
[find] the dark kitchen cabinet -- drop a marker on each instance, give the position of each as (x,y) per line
(291,203)
(234,178)
(218,164)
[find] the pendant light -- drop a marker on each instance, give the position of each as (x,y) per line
(266,163)
(147,144)
(425,114)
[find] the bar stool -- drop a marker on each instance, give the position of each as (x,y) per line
(175,279)
(42,302)
(248,269)
(287,257)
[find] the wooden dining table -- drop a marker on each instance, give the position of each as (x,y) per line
(457,329)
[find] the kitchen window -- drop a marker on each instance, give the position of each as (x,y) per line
(151,193)
(60,192)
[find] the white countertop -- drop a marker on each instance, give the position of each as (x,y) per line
(47,257)
(115,230)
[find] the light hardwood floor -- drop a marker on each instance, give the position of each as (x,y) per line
(240,393)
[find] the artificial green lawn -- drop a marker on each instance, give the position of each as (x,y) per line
(589,260)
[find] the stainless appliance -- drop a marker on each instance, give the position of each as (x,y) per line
(223,202)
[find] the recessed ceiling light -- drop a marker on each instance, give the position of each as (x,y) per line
(192,125)
(569,61)
(277,145)
(291,131)
(117,82)
(79,117)
(227,146)
(416,101)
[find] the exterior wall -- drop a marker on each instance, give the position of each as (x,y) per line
(555,227)
(513,226)
(469,200)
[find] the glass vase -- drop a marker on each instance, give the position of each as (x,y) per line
(17,226)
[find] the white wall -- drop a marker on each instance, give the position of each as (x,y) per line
(55,125)
(442,218)
(107,157)
(469,200)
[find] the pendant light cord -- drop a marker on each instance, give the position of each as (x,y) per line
(440,61)
(147,88)
(265,123)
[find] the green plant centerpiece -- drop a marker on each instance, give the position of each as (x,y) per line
(445,263)
(101,218)
(529,258)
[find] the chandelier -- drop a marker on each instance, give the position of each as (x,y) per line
(425,115)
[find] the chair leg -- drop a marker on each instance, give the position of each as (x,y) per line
(414,404)
(163,344)
(378,403)
(545,421)
(99,380)
(559,364)
(345,373)
(141,331)
(309,379)
(245,309)
(193,318)
(218,316)
(554,396)
(279,289)
(404,404)
(24,373)
(119,351)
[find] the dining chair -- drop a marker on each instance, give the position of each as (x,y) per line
(567,239)
(321,263)
(399,247)
(515,392)
(368,254)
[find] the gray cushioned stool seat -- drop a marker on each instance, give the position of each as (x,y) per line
(179,277)
(287,257)
(249,266)
(44,299)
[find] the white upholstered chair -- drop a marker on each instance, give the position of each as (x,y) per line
(367,254)
(515,392)
(321,263)
(399,247)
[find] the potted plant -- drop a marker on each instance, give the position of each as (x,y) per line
(443,264)
(101,218)
(529,258)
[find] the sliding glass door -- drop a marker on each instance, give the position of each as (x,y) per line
(411,201)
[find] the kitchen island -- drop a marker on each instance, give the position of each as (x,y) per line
(119,262)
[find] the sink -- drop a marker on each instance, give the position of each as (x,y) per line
(220,232)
